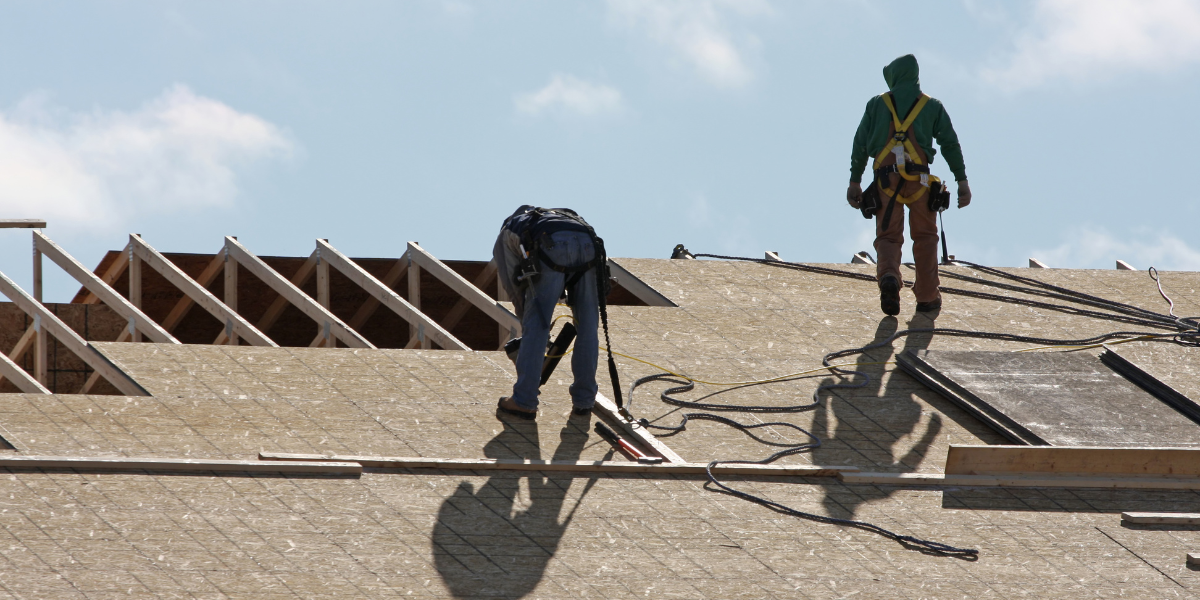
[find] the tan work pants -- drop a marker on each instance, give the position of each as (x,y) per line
(922,226)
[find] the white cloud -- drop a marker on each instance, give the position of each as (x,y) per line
(1083,40)
(178,152)
(698,32)
(1093,247)
(570,95)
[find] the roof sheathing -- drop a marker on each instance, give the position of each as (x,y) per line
(503,535)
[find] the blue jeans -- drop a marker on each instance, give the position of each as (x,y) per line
(568,249)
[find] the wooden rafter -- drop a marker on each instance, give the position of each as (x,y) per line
(24,381)
(47,322)
(417,320)
(111,275)
(464,288)
(304,302)
(201,296)
(106,294)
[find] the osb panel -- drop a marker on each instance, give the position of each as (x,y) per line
(69,535)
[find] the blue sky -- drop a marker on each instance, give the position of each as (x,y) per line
(721,124)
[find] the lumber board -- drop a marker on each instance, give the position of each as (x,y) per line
(214,268)
(387,297)
(24,381)
(601,466)
(1193,559)
(301,277)
(201,296)
(1159,518)
(460,307)
(22,223)
(637,287)
(456,282)
(607,409)
(1078,460)
(49,323)
(178,464)
(1019,480)
(293,294)
(22,346)
(111,274)
(102,290)
(390,279)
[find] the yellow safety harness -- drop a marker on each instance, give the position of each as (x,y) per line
(901,145)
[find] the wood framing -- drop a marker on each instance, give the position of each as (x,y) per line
(46,322)
(230,336)
(1131,482)
(22,223)
(126,308)
(417,336)
(1073,460)
(111,274)
(86,463)
(293,294)
(428,328)
(390,279)
(607,409)
(637,287)
(215,267)
(197,293)
(306,271)
(459,310)
(494,464)
(24,381)
(446,275)
(1158,518)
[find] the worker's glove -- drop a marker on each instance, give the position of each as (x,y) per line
(964,194)
(854,194)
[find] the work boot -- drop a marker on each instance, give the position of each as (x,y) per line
(932,306)
(581,412)
(509,407)
(889,295)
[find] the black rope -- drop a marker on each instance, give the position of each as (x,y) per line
(1186,332)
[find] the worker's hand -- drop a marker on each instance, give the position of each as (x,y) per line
(964,194)
(854,194)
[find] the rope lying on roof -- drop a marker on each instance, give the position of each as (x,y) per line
(1185,331)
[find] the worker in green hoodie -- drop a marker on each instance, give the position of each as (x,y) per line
(898,130)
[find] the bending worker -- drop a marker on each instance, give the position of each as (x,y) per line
(542,253)
(897,131)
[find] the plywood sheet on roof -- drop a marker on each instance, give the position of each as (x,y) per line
(1058,399)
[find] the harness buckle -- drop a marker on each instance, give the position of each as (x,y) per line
(900,136)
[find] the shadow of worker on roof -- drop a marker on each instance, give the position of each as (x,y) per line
(491,542)
(869,427)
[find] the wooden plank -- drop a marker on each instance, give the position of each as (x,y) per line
(111,275)
(1076,460)
(23,344)
(135,292)
(1193,559)
(454,281)
(109,296)
(607,409)
(24,381)
(293,294)
(22,223)
(1018,480)
(231,295)
(1124,266)
(323,299)
(489,464)
(636,286)
(48,323)
(88,463)
(94,378)
(1151,518)
(41,351)
(301,277)
(417,334)
(459,310)
(37,272)
(390,279)
(201,296)
(215,267)
(429,329)
(1037,264)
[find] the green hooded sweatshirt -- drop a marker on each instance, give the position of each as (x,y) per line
(902,77)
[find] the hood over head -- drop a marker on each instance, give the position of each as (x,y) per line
(902,72)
